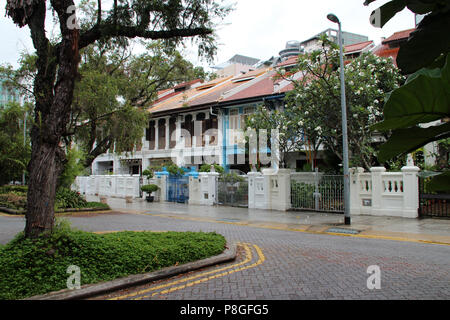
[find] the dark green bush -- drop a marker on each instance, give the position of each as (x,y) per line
(66,198)
(149,188)
(12,188)
(32,267)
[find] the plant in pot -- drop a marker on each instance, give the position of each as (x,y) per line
(149,189)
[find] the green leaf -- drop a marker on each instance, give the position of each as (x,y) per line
(422,6)
(427,43)
(383,14)
(404,141)
(440,183)
(424,99)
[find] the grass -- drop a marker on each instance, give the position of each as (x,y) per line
(34,267)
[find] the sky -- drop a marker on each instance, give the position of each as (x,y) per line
(256,28)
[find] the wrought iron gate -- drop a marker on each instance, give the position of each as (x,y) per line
(233,192)
(432,205)
(178,189)
(318,193)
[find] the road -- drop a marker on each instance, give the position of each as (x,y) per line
(285,265)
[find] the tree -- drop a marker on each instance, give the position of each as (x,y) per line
(15,152)
(285,120)
(425,96)
(57,71)
(316,97)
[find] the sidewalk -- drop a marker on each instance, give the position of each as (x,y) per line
(393,228)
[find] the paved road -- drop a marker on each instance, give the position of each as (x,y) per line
(279,264)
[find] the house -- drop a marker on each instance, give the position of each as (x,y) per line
(235,65)
(389,47)
(196,119)
(348,38)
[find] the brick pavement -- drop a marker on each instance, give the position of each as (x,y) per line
(303,266)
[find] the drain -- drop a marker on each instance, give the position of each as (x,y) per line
(343,230)
(229,220)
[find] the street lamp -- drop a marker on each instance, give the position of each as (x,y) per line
(347,219)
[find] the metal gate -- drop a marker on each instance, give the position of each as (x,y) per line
(318,193)
(432,204)
(178,189)
(233,191)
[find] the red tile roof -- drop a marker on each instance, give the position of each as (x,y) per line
(357,46)
(289,61)
(400,35)
(187,84)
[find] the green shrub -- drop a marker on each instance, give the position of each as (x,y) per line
(149,188)
(231,178)
(32,267)
(13,200)
(66,198)
(207,168)
(12,188)
(97,205)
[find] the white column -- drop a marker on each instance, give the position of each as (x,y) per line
(355,199)
(410,191)
(156,134)
(377,190)
(167,133)
(213,185)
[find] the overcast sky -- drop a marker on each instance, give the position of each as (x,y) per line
(256,28)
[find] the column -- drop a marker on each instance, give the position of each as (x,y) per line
(377,190)
(410,190)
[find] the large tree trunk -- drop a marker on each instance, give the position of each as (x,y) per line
(53,101)
(41,188)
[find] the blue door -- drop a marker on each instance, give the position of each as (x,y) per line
(178,189)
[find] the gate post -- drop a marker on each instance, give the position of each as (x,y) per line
(410,191)
(377,190)
(212,188)
(355,199)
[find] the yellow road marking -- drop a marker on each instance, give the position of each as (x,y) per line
(190,284)
(248,258)
(363,236)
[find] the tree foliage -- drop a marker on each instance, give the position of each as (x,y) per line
(316,99)
(14,155)
(425,97)
(57,62)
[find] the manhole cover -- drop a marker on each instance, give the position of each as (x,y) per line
(343,230)
(229,220)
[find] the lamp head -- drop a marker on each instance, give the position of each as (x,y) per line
(333,18)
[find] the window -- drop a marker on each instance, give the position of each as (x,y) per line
(233,126)
(150,135)
(162,134)
(200,118)
(188,125)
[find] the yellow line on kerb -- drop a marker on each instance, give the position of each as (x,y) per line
(361,236)
(189,283)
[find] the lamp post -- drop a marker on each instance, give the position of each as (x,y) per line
(347,218)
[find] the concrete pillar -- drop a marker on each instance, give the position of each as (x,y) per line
(355,199)
(377,190)
(156,134)
(410,191)
(167,133)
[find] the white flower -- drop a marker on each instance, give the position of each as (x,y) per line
(376,101)
(300,123)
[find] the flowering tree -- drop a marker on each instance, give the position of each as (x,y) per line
(316,99)
(285,121)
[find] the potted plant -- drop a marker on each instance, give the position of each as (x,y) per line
(149,189)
